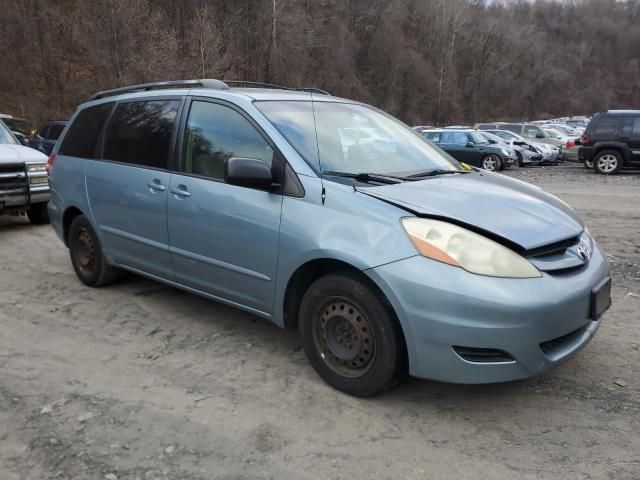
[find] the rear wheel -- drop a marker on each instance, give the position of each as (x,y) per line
(491,163)
(86,255)
(607,162)
(38,214)
(351,337)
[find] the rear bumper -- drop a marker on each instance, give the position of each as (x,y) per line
(586,154)
(538,322)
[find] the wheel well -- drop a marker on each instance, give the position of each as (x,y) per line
(614,148)
(67,218)
(311,271)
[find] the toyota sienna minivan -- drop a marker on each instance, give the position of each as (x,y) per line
(329,216)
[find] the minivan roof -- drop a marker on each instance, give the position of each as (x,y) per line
(252,89)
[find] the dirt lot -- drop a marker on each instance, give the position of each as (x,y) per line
(139,380)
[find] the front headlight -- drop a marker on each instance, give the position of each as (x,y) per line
(36,167)
(457,246)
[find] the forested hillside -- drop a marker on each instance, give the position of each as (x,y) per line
(427,61)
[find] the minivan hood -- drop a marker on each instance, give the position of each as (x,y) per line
(514,210)
(18,153)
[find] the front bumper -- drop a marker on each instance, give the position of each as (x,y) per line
(539,322)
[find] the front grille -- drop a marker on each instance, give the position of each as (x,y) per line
(13,179)
(558,248)
(550,347)
(483,355)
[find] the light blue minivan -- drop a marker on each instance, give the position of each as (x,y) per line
(329,216)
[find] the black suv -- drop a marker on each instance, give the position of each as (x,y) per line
(612,141)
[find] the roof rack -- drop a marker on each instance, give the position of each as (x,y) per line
(202,83)
(246,84)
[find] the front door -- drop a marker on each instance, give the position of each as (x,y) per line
(223,238)
(128,187)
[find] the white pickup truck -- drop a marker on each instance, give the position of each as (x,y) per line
(24,184)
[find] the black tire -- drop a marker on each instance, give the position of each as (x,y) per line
(520,160)
(588,164)
(607,162)
(351,336)
(491,163)
(86,255)
(38,214)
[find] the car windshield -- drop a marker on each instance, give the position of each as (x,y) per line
(6,136)
(349,138)
(491,136)
(553,133)
(477,138)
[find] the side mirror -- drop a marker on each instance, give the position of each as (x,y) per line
(539,135)
(470,145)
(248,172)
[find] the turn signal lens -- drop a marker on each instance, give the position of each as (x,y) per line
(457,246)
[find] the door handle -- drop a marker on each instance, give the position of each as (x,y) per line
(156,185)
(181,191)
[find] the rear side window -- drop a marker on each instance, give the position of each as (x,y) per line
(140,133)
(486,126)
(631,126)
(42,133)
(433,136)
(606,126)
(453,138)
(55,131)
(80,140)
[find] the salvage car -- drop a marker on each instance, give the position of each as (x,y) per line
(549,154)
(525,155)
(389,257)
(24,187)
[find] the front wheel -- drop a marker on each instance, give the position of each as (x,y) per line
(350,336)
(607,162)
(86,255)
(38,214)
(588,164)
(491,163)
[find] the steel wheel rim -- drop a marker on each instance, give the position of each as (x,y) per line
(85,252)
(343,337)
(589,163)
(607,163)
(489,163)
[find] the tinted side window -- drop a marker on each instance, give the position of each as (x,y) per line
(215,133)
(140,133)
(486,126)
(55,131)
(81,138)
(606,126)
(631,126)
(42,133)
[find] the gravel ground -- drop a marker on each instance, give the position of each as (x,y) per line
(142,381)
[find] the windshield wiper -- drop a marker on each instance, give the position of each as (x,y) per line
(437,171)
(369,177)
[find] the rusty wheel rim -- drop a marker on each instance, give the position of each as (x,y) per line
(85,252)
(344,338)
